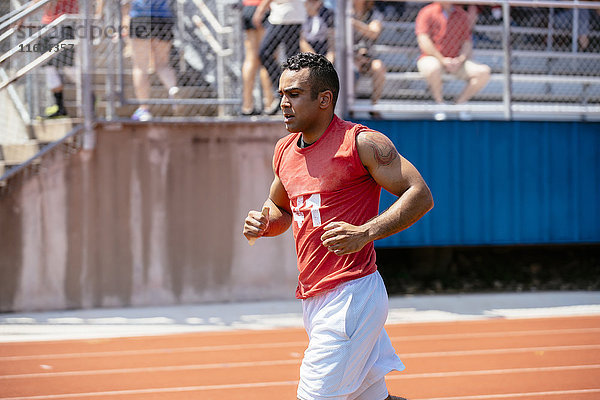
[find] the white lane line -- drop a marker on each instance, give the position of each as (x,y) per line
(516,395)
(493,372)
(289,383)
(164,350)
(510,350)
(157,390)
(478,335)
(168,368)
(237,347)
(252,364)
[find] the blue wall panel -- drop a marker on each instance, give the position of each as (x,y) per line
(500,182)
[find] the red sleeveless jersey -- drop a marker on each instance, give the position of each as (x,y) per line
(327,182)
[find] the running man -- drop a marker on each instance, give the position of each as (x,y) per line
(328,178)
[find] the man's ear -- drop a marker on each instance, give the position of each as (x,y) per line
(325,99)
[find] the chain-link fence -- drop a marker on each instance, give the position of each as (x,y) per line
(38,75)
(484,60)
(167,59)
(535,61)
(198,58)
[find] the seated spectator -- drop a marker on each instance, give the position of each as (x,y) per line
(391,10)
(563,20)
(367,26)
(318,33)
(444,36)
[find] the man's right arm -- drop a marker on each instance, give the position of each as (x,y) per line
(428,47)
(279,218)
(280,214)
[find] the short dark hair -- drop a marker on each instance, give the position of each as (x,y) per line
(323,75)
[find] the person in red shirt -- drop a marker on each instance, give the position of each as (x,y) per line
(444,36)
(328,178)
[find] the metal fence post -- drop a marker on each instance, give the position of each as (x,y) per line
(506,93)
(87,71)
(341,59)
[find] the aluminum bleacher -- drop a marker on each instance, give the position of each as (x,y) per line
(541,69)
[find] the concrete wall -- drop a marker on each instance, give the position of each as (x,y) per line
(152,216)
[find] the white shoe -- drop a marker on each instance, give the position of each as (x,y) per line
(174,95)
(141,114)
(465,116)
(439,116)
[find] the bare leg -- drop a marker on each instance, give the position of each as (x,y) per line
(249,68)
(378,72)
(161,51)
(251,65)
(141,62)
(478,78)
(432,71)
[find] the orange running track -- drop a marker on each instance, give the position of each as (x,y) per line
(554,358)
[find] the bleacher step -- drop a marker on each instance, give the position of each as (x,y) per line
(14,154)
(51,130)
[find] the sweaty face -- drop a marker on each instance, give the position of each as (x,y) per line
(300,110)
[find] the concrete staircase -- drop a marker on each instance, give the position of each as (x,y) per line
(25,140)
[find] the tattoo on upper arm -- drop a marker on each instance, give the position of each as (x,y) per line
(383,151)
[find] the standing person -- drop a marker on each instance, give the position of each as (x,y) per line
(253,34)
(151,32)
(283,27)
(367,27)
(444,35)
(318,34)
(328,178)
(62,62)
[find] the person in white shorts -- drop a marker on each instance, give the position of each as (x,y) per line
(328,179)
(443,32)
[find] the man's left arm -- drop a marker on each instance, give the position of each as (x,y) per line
(398,176)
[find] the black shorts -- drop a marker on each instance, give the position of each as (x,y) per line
(160,28)
(51,43)
(247,13)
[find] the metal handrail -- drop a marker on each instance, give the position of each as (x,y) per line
(35,63)
(13,171)
(23,12)
(19,47)
(14,12)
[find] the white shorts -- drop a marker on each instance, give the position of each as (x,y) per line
(349,351)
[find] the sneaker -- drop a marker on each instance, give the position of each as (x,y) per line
(250,113)
(439,116)
(465,116)
(141,114)
(174,94)
(375,115)
(54,112)
(274,108)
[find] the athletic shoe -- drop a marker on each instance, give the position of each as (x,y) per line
(252,112)
(439,116)
(465,116)
(375,115)
(274,108)
(54,112)
(174,95)
(141,114)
